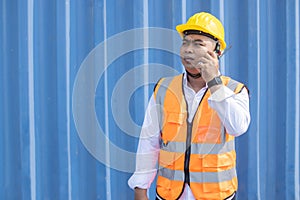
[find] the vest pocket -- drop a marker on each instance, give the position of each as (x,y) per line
(208,134)
(166,159)
(163,187)
(224,181)
(220,168)
(171,126)
(217,162)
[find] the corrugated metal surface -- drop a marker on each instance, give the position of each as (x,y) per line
(69,131)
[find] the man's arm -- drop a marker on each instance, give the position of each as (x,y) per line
(147,153)
(140,194)
(233,109)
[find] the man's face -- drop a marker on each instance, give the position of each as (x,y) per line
(193,48)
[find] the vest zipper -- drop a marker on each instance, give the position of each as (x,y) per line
(187,154)
(188,144)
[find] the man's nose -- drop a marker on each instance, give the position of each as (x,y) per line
(189,48)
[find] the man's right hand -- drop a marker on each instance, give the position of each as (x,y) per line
(140,194)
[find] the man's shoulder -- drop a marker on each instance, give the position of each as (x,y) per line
(233,84)
(166,80)
(171,77)
(228,78)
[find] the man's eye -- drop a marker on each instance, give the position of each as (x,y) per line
(199,44)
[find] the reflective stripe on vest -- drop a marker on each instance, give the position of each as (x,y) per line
(199,148)
(199,177)
(212,156)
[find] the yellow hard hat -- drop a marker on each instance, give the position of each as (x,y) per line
(206,24)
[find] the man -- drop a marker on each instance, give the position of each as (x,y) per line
(191,122)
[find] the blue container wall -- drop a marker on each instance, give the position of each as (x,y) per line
(46,121)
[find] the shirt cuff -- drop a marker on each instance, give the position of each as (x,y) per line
(221,94)
(142,180)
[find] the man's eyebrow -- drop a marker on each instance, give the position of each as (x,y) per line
(196,40)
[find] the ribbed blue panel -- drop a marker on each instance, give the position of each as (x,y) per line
(45,46)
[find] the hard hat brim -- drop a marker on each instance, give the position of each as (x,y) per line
(183,27)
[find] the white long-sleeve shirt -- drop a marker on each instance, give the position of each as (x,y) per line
(233,110)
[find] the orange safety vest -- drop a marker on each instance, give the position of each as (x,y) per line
(200,153)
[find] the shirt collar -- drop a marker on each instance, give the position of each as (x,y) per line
(185,79)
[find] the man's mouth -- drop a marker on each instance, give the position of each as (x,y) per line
(188,60)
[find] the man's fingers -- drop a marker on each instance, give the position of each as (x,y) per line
(212,54)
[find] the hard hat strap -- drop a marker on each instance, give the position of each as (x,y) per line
(195,76)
